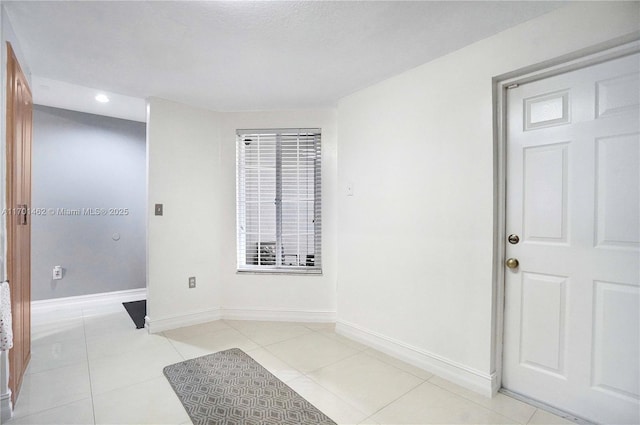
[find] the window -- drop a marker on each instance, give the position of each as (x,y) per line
(279,198)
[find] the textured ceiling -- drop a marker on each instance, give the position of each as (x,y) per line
(249,55)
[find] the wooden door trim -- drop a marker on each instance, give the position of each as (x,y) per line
(603,52)
(14,73)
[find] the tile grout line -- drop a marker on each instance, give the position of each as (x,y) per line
(394,366)
(339,397)
(131,385)
(134,383)
(531,416)
(86,347)
(478,404)
(334,394)
(398,398)
(266,347)
(40,412)
(271,343)
(423,381)
(293,379)
(173,346)
(306,374)
(200,335)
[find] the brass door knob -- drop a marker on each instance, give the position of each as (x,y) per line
(513,263)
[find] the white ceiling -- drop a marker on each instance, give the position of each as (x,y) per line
(79,98)
(237,55)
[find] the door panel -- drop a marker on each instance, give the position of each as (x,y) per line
(19,134)
(545,193)
(617,191)
(615,369)
(572,313)
(543,333)
(617,95)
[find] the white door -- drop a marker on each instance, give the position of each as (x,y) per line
(572,305)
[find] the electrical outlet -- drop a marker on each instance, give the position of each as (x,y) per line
(57,273)
(192,282)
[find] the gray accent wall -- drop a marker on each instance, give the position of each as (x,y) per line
(89,194)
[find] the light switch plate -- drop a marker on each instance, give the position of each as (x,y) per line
(158,209)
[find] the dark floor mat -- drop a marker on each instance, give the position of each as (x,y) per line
(137,310)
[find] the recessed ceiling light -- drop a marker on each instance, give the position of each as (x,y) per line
(102,98)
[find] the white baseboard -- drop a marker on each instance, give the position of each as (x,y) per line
(167,323)
(467,377)
(279,315)
(5,407)
(90,300)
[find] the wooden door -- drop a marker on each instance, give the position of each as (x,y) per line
(19,134)
(572,304)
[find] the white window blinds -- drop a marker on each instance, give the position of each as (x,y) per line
(279,200)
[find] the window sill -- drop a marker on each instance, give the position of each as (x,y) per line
(314,272)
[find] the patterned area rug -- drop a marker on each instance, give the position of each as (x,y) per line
(229,387)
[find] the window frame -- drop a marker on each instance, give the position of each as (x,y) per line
(241,245)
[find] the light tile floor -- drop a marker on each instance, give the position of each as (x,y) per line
(91,366)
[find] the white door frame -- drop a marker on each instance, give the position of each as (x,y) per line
(613,49)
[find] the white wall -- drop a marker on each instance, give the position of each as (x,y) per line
(85,161)
(192,171)
(415,241)
(411,252)
(279,297)
(183,155)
